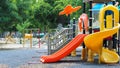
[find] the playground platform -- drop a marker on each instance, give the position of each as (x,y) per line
(18,57)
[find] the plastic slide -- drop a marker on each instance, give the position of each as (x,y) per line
(66,50)
(109,56)
(95,42)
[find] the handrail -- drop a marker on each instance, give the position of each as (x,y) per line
(55,42)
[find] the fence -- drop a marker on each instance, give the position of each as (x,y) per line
(58,40)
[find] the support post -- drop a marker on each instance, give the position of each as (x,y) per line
(84,50)
(90,20)
(68,20)
(118,31)
(74,27)
(73,53)
(115,35)
(23,41)
(84,7)
(49,47)
(114,42)
(90,53)
(39,37)
(31,39)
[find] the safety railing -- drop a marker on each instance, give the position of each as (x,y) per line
(59,39)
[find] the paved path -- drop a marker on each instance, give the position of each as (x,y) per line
(14,55)
(17,57)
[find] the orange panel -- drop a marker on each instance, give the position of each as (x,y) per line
(69,9)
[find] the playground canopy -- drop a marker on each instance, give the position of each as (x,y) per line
(98,6)
(101,1)
(98,1)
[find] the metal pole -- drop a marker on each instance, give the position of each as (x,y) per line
(84,7)
(73,53)
(31,39)
(90,54)
(39,37)
(115,35)
(68,20)
(118,41)
(90,20)
(118,31)
(74,27)
(83,33)
(68,25)
(49,47)
(23,42)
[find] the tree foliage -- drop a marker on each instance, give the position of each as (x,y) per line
(22,26)
(8,15)
(41,14)
(118,1)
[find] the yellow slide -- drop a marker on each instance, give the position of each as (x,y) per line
(109,56)
(95,42)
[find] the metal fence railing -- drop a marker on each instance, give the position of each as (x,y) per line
(58,40)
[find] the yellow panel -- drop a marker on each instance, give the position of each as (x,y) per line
(102,14)
(28,35)
(109,21)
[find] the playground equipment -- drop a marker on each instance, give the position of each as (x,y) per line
(9,38)
(58,39)
(110,21)
(93,41)
(83,26)
(94,24)
(30,36)
(69,10)
(66,50)
(105,55)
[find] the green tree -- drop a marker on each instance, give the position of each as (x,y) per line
(22,26)
(118,1)
(42,14)
(47,14)
(13,12)
(25,9)
(8,15)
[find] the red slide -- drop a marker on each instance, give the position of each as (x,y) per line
(66,50)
